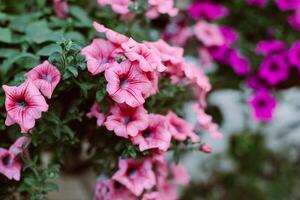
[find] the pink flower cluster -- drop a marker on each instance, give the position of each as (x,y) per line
(148,179)
(132,70)
(155,7)
(25,103)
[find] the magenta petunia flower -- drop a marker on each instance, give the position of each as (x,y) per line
(274,69)
(61,8)
(229,34)
(107,189)
(45,77)
(294,19)
(208,34)
(99,55)
(220,53)
(126,83)
(24,104)
(180,129)
(263,105)
(118,6)
(135,176)
(256,83)
(285,5)
(294,55)
(127,121)
(95,112)
(258,3)
(112,36)
(239,63)
(208,10)
(10,165)
(157,7)
(156,136)
(148,60)
(268,47)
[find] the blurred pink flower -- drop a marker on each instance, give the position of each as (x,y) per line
(180,129)
(156,136)
(294,19)
(95,112)
(45,77)
(285,5)
(135,176)
(24,104)
(148,60)
(126,83)
(180,175)
(157,7)
(10,165)
(118,6)
(127,121)
(99,55)
(61,8)
(208,34)
(205,148)
(269,47)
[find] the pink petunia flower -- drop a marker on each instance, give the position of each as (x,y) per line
(99,55)
(157,7)
(107,189)
(114,37)
(156,136)
(61,8)
(10,165)
(118,6)
(126,83)
(127,121)
(45,77)
(24,104)
(208,34)
(177,32)
(148,60)
(180,129)
(205,148)
(180,175)
(135,176)
(95,112)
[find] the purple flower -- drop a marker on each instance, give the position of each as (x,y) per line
(274,69)
(239,63)
(220,53)
(208,10)
(294,55)
(263,105)
(256,83)
(230,35)
(294,19)
(285,5)
(268,47)
(259,3)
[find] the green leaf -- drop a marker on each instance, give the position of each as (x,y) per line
(49,49)
(7,52)
(100,94)
(81,16)
(5,35)
(73,71)
(49,187)
(28,58)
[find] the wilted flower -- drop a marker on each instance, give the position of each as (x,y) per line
(61,8)
(24,104)
(95,112)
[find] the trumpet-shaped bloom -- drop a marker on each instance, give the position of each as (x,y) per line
(107,189)
(127,121)
(95,112)
(99,55)
(263,105)
(148,60)
(10,165)
(157,7)
(180,129)
(45,77)
(126,83)
(156,136)
(208,34)
(118,6)
(24,104)
(135,176)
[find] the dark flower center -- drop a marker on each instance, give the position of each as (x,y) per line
(123,82)
(146,133)
(131,171)
(261,103)
(104,60)
(21,104)
(127,119)
(104,190)
(117,185)
(274,67)
(46,77)
(6,160)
